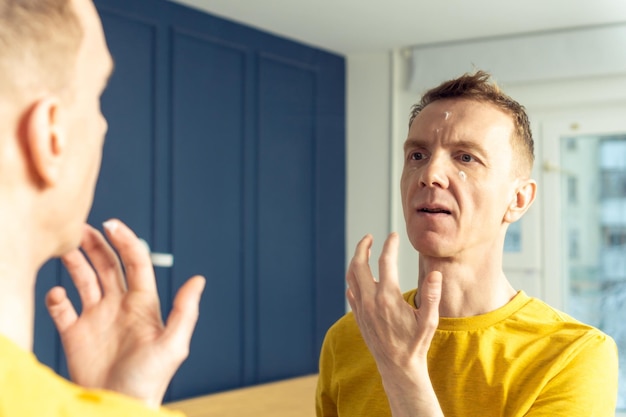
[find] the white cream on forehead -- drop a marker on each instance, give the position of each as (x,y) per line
(462,175)
(446,115)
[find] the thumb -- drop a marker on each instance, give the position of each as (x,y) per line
(184,315)
(430,296)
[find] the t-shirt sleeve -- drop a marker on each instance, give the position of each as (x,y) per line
(586,386)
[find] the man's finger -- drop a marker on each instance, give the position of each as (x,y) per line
(84,278)
(184,315)
(351,299)
(359,276)
(61,309)
(134,255)
(430,296)
(104,260)
(388,263)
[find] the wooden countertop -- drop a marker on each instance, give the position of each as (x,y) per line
(291,397)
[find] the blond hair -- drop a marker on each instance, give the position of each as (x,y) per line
(478,87)
(39,43)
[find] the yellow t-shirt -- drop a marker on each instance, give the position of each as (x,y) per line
(524,359)
(28,388)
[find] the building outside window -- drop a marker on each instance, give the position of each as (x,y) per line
(594,230)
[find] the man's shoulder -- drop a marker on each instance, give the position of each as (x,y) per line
(345,326)
(561,326)
(542,312)
(31,388)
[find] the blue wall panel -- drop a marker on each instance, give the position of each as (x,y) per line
(286,219)
(125,185)
(330,192)
(207,123)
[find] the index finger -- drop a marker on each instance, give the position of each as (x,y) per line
(134,255)
(359,277)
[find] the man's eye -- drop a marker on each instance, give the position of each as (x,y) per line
(417,156)
(466,157)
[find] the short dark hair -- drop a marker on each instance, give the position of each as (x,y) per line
(479,87)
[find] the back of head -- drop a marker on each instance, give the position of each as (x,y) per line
(39,45)
(39,41)
(478,87)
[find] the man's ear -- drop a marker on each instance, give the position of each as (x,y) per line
(45,141)
(521,201)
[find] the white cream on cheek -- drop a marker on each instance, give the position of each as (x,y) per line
(462,175)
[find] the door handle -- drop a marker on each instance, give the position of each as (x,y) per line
(160,259)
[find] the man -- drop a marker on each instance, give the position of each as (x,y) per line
(466,343)
(54,65)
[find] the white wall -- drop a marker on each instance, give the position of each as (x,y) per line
(368,164)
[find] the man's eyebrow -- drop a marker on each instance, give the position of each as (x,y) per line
(414,143)
(471,146)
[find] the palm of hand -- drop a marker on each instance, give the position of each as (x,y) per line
(397,334)
(107,341)
(119,341)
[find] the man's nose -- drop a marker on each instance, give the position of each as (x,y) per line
(435,173)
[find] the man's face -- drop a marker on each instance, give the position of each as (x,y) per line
(84,124)
(457,182)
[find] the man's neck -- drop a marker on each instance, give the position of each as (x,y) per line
(19,264)
(17,304)
(469,288)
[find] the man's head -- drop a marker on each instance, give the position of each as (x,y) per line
(54,65)
(467,162)
(478,87)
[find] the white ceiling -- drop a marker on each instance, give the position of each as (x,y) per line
(358,26)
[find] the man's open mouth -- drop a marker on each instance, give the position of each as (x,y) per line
(434,210)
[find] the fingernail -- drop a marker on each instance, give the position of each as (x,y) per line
(110,226)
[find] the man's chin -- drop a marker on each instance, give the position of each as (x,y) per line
(65,249)
(69,243)
(432,249)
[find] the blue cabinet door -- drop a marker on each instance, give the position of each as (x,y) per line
(208,125)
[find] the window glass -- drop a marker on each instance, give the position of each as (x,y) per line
(593,217)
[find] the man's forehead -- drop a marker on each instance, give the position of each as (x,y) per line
(456,122)
(459,105)
(456,111)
